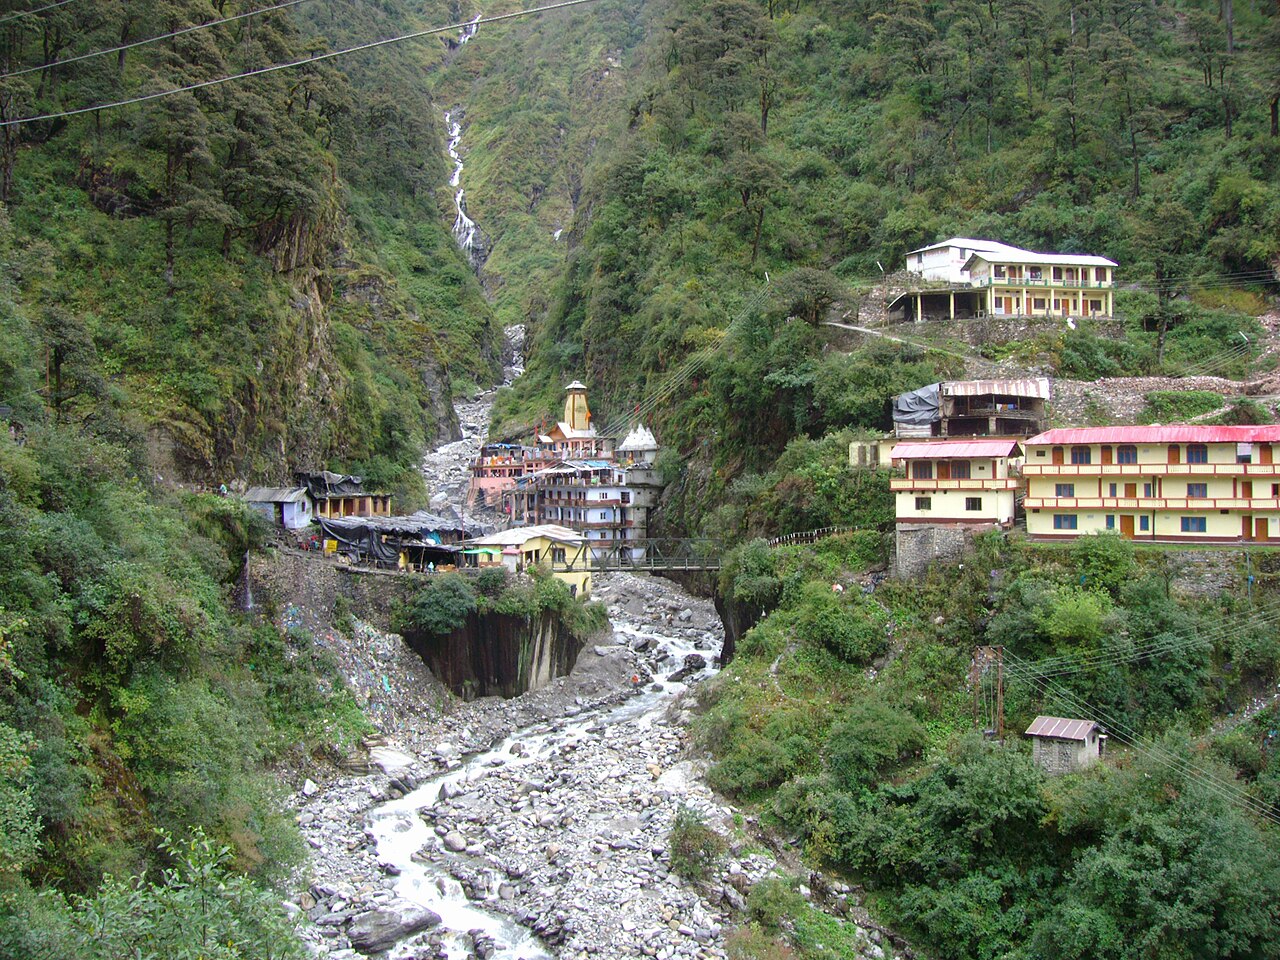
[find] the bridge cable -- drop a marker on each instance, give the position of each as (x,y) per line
(30,13)
(288,65)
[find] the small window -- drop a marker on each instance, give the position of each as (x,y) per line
(973,503)
(1111,521)
(1065,489)
(1100,274)
(1126,453)
(1244,453)
(1195,524)
(1038,302)
(1057,274)
(924,503)
(1197,490)
(999,269)
(1146,489)
(922,470)
(1081,455)
(960,470)
(1144,523)
(1275,489)
(1064,521)
(1111,490)
(1197,453)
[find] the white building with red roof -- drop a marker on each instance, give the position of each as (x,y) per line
(1183,483)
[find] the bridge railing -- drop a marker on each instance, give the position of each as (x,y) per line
(811,536)
(644,555)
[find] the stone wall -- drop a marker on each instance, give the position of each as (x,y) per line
(915,547)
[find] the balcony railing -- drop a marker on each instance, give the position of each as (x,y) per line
(972,483)
(1152,503)
(1027,282)
(1030,469)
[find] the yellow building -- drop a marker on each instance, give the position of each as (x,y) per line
(522,548)
(1202,484)
(1023,283)
(964,482)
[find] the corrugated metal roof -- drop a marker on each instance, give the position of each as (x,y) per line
(276,494)
(1060,728)
(1027,387)
(1174,433)
(966,243)
(947,449)
(1051,259)
(517,536)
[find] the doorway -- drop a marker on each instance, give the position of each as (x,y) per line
(1126,527)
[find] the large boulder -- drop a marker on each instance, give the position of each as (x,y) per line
(382,928)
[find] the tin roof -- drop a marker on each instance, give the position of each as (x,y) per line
(947,449)
(517,536)
(1049,259)
(965,243)
(1060,728)
(1174,433)
(1026,387)
(276,494)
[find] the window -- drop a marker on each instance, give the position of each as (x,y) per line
(1197,453)
(924,503)
(1111,491)
(1197,490)
(1100,274)
(1035,273)
(960,470)
(1064,521)
(1057,273)
(999,269)
(1144,523)
(922,470)
(1111,521)
(1038,302)
(1244,453)
(1057,304)
(1126,453)
(626,497)
(973,503)
(1081,455)
(1146,489)
(1275,489)
(557,555)
(1064,490)
(1195,524)
(1095,306)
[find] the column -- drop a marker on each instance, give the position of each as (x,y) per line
(952,298)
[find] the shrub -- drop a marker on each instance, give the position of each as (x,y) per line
(441,606)
(772,902)
(851,629)
(1166,406)
(694,847)
(491,581)
(1104,561)
(872,738)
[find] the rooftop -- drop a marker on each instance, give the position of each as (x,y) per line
(1015,255)
(276,494)
(1174,433)
(966,243)
(518,536)
(948,449)
(1027,387)
(1060,728)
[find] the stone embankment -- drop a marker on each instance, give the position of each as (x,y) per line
(536,826)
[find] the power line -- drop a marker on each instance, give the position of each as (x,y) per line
(371,45)
(1228,790)
(31,13)
(164,36)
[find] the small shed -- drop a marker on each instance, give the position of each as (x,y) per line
(1061,745)
(287,507)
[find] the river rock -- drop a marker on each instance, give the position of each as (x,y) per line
(381,928)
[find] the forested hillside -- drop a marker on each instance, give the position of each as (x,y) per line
(228,283)
(819,141)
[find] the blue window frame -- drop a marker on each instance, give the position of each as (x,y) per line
(1197,453)
(1195,524)
(1111,521)
(1126,453)
(1064,521)
(1144,523)
(1064,489)
(1197,491)
(1081,455)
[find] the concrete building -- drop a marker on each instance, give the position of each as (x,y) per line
(574,436)
(1198,484)
(1060,745)
(1006,407)
(342,495)
(287,507)
(522,548)
(945,261)
(1022,283)
(968,482)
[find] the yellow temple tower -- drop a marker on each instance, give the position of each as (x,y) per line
(577,415)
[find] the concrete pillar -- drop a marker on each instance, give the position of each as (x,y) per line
(952,298)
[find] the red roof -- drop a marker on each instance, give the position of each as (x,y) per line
(1174,433)
(1060,728)
(947,449)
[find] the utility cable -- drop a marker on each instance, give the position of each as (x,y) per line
(31,13)
(164,36)
(1228,790)
(289,65)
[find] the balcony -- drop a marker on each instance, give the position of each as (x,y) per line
(976,483)
(1034,469)
(1054,284)
(1193,504)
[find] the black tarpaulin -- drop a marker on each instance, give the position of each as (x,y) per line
(919,407)
(358,537)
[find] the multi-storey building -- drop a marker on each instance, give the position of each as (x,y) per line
(945,261)
(965,482)
(1205,484)
(1022,283)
